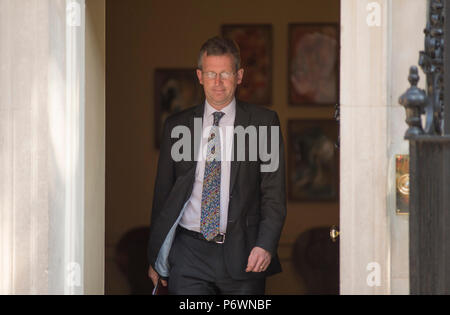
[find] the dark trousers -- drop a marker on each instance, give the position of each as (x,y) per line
(198,268)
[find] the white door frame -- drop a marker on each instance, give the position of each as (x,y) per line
(51,148)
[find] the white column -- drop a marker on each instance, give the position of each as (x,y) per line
(66,149)
(364,91)
(42,143)
(23,146)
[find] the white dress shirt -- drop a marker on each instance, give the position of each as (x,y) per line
(192,214)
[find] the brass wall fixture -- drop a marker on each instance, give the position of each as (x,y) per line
(402,183)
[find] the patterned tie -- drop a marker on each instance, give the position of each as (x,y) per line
(210,215)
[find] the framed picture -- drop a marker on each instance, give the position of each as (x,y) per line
(313,160)
(313,69)
(175,90)
(255,43)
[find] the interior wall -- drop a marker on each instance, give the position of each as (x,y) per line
(143,35)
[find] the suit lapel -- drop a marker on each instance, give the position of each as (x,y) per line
(195,138)
(242,119)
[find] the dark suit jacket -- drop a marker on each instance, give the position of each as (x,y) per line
(257,206)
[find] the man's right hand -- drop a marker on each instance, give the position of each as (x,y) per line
(152,274)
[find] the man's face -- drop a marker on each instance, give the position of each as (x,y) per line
(219,92)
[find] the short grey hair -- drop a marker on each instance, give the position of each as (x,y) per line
(219,46)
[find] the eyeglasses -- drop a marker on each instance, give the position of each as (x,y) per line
(210,75)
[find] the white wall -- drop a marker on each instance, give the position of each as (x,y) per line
(24,141)
(374,67)
(408,20)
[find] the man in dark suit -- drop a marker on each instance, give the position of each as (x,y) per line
(218,211)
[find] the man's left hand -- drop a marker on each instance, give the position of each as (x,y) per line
(259,260)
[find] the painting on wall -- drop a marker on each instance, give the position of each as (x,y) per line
(313,64)
(175,90)
(255,43)
(313,160)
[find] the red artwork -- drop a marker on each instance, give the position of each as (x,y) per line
(255,43)
(313,64)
